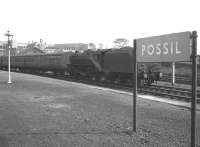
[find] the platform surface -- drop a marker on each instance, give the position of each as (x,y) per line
(42,112)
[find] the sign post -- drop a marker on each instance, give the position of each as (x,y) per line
(174,47)
(194,89)
(134,84)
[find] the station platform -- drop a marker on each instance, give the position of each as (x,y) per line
(38,111)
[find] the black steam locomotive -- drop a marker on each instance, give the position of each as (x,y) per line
(110,65)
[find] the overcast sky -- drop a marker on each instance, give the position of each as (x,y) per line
(98,21)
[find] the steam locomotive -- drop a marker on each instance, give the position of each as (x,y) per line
(109,65)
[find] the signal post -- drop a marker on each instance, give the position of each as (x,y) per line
(9,46)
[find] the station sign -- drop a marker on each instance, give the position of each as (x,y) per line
(174,47)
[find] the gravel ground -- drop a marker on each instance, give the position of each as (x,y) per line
(42,112)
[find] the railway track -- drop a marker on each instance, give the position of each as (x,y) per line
(180,79)
(157,90)
(170,92)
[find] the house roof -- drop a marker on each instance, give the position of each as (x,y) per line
(70,45)
(31,51)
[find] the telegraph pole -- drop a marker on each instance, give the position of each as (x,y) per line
(9,47)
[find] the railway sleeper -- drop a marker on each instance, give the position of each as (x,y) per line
(172,96)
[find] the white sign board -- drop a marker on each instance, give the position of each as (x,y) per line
(166,48)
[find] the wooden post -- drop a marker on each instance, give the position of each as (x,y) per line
(194,89)
(134,85)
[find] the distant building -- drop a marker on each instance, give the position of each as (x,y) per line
(4,50)
(50,50)
(60,48)
(12,52)
(1,52)
(24,48)
(31,51)
(71,47)
(20,47)
(16,47)
(2,44)
(2,47)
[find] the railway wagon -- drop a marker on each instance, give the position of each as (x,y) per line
(3,62)
(42,62)
(15,62)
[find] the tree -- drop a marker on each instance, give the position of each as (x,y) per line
(100,46)
(120,42)
(32,44)
(92,46)
(40,45)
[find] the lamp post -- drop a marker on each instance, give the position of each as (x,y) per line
(9,47)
